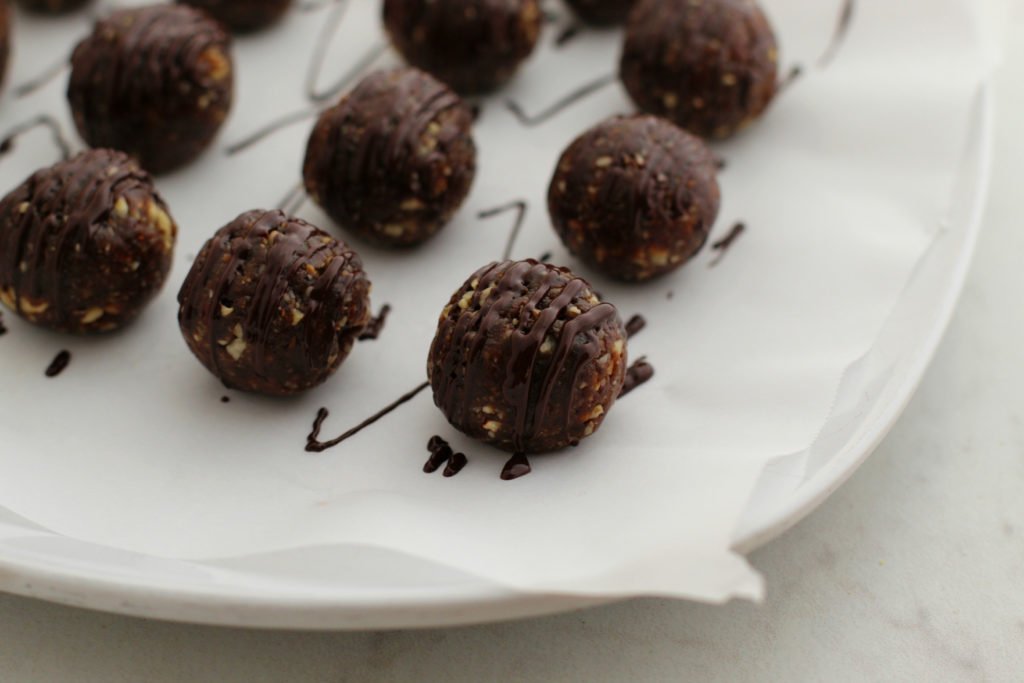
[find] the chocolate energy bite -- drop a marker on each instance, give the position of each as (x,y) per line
(243,16)
(272,305)
(527,357)
(53,6)
(710,66)
(394,160)
(84,244)
(154,81)
(634,197)
(474,46)
(601,12)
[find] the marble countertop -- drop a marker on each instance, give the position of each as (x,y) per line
(913,571)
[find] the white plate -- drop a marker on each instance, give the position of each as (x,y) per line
(312,586)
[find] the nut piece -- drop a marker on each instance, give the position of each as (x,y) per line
(273,305)
(634,197)
(516,369)
(98,267)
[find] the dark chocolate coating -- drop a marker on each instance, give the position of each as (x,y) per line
(155,82)
(394,160)
(243,16)
(601,12)
(710,66)
(475,46)
(635,197)
(53,6)
(273,305)
(527,357)
(84,244)
(5,38)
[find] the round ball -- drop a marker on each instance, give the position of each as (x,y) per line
(243,16)
(527,357)
(709,66)
(635,197)
(155,82)
(601,12)
(273,305)
(394,160)
(84,244)
(475,46)
(53,6)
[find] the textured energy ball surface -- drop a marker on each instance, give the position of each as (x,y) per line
(527,357)
(155,82)
(475,46)
(710,66)
(84,244)
(393,161)
(273,305)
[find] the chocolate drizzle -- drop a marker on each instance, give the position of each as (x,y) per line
(40,121)
(313,443)
(37,83)
(842,29)
(517,466)
(269,129)
(567,34)
(58,364)
(639,373)
(722,245)
(520,207)
(560,105)
(457,366)
(795,72)
(225,399)
(376,325)
(323,42)
(441,453)
(3,329)
(634,325)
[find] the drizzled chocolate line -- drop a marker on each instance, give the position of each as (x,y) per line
(639,373)
(269,129)
(634,325)
(376,325)
(562,104)
(225,399)
(28,87)
(40,121)
(568,33)
(517,466)
(720,163)
(795,72)
(842,30)
(314,445)
(545,257)
(323,43)
(58,364)
(520,207)
(291,202)
(440,453)
(722,245)
(3,329)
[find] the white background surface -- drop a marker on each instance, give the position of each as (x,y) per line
(913,571)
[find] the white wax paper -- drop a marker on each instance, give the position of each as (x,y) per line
(842,186)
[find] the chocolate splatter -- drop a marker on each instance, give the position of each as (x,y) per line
(40,121)
(720,163)
(639,373)
(314,445)
(568,33)
(795,72)
(37,83)
(722,245)
(562,104)
(3,330)
(634,325)
(545,257)
(58,364)
(440,453)
(225,399)
(520,207)
(670,295)
(376,325)
(842,29)
(517,466)
(476,109)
